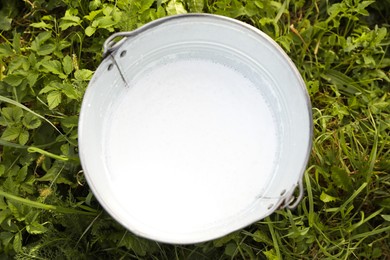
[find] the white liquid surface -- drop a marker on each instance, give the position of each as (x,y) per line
(191,144)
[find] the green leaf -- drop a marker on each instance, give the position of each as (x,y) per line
(11,133)
(343,82)
(145,5)
(67,64)
(16,42)
(12,114)
(5,50)
(46,49)
(271,254)
(175,7)
(39,46)
(42,25)
(326,198)
(36,228)
(386,217)
(13,80)
(6,238)
(54,99)
(2,171)
(83,74)
(261,237)
(41,38)
(105,22)
(54,66)
(95,4)
(22,173)
(52,86)
(4,214)
(195,6)
(32,78)
(341,179)
(70,121)
(89,31)
(16,211)
(69,21)
(17,245)
(30,121)
(70,91)
(23,137)
(91,16)
(134,243)
(5,23)
(231,249)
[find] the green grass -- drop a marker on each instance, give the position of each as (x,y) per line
(49,50)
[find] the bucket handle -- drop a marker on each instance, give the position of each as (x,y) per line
(291,201)
(110,45)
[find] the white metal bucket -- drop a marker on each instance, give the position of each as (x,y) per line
(194,126)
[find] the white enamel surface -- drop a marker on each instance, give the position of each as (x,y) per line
(192,140)
(211,127)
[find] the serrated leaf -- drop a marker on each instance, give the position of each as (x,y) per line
(6,238)
(42,37)
(103,22)
(271,254)
(16,211)
(83,74)
(5,50)
(15,65)
(133,243)
(38,44)
(46,49)
(30,121)
(195,6)
(51,87)
(32,78)
(11,133)
(69,21)
(13,80)
(5,23)
(53,66)
(36,228)
(52,173)
(12,114)
(70,91)
(16,42)
(67,64)
(89,31)
(175,7)
(224,240)
(23,137)
(327,198)
(341,179)
(4,214)
(17,244)
(231,249)
(22,173)
(259,236)
(42,25)
(95,4)
(54,99)
(145,5)
(91,16)
(70,121)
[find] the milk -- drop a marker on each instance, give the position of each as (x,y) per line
(191,143)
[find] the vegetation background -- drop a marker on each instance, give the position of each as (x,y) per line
(49,50)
